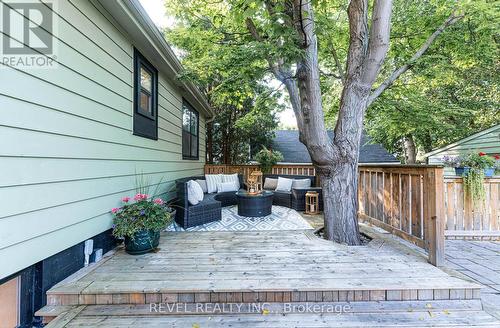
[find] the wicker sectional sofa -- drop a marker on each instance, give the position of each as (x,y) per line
(210,209)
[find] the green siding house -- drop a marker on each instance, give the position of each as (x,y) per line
(487,141)
(74,136)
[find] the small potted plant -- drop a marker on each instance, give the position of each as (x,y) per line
(139,221)
(454,161)
(267,159)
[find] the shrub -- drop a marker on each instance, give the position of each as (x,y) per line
(267,159)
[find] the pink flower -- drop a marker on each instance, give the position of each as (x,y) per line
(158,201)
(482,154)
(125,199)
(114,210)
(139,197)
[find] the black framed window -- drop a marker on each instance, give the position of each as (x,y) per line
(145,97)
(190,132)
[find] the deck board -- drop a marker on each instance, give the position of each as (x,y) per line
(190,265)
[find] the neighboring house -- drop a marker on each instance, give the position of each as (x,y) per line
(74,138)
(294,152)
(486,141)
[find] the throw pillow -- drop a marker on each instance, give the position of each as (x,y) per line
(301,183)
(226,186)
(270,184)
(194,191)
(284,184)
(203,185)
(232,178)
(212,181)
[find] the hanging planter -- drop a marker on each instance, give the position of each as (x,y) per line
(473,168)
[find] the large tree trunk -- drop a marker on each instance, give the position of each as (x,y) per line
(335,162)
(410,150)
(340,205)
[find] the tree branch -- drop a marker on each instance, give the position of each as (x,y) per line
(378,43)
(452,19)
(358,28)
(340,69)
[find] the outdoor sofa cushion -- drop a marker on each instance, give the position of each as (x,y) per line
(301,183)
(195,193)
(212,181)
(232,178)
(270,184)
(227,187)
(203,185)
(284,184)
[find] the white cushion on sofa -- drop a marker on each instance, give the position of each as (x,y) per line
(232,178)
(284,184)
(203,185)
(301,183)
(226,186)
(212,181)
(195,193)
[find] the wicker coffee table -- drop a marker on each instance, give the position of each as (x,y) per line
(254,205)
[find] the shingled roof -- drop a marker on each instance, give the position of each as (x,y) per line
(287,142)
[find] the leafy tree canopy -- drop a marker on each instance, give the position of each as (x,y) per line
(448,93)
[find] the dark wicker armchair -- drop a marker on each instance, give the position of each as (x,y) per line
(208,210)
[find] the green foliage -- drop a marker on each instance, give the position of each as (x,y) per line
(449,93)
(231,72)
(473,178)
(142,214)
(267,159)
(474,185)
(478,161)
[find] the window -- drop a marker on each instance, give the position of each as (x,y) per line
(190,129)
(145,97)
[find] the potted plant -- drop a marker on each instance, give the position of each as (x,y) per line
(267,158)
(139,221)
(478,161)
(473,168)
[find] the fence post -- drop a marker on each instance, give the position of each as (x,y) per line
(434,218)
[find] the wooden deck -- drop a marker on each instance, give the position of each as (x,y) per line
(291,265)
(382,283)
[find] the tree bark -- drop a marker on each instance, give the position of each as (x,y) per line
(336,161)
(410,150)
(210,144)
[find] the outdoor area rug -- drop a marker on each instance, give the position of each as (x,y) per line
(281,218)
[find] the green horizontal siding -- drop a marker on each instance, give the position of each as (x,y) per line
(66,139)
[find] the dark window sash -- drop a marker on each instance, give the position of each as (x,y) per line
(190,139)
(145,121)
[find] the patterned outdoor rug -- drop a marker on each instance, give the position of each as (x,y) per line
(281,218)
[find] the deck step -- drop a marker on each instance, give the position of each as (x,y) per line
(271,295)
(456,313)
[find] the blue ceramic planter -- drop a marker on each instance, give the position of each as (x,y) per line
(461,171)
(143,242)
(489,172)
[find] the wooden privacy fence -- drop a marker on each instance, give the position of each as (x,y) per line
(406,201)
(247,169)
(463,219)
